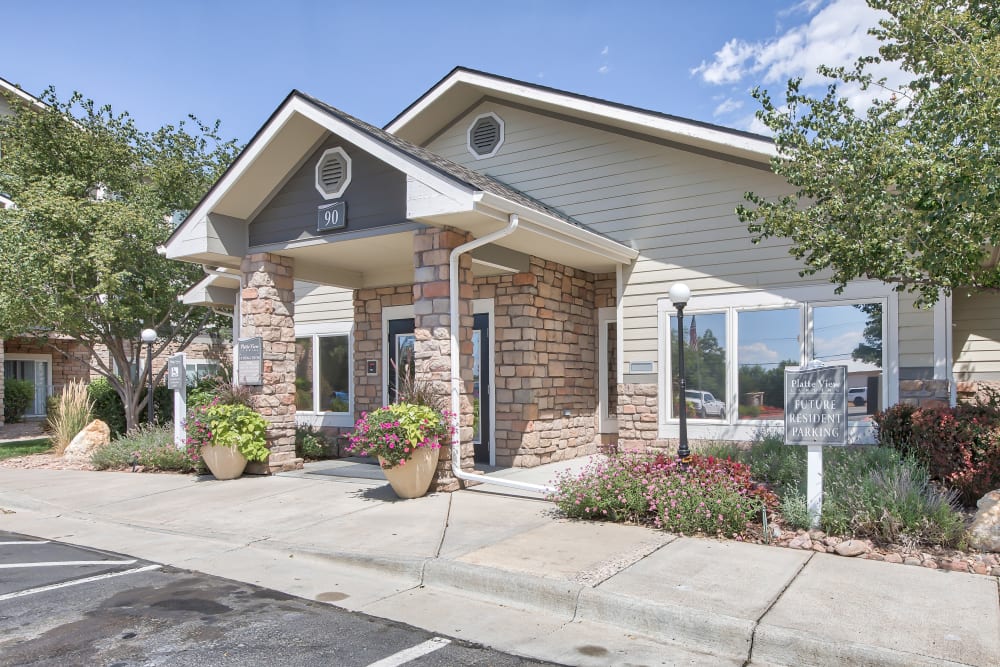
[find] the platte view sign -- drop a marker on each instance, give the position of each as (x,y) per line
(250,354)
(816,406)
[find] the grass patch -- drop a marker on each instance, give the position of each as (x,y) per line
(150,447)
(9,450)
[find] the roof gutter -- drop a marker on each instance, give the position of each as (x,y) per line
(456,375)
(558,230)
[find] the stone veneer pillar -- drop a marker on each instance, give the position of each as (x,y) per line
(267,310)
(432,336)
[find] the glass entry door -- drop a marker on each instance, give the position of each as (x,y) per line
(35,371)
(401,370)
(481,380)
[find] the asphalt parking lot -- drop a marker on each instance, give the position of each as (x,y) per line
(62,604)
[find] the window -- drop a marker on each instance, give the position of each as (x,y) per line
(323,373)
(608,370)
(196,370)
(736,349)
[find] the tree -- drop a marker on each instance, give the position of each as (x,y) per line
(94,197)
(870,350)
(907,191)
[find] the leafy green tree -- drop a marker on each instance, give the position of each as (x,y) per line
(908,190)
(94,196)
(870,349)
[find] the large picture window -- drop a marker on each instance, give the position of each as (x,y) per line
(736,349)
(323,373)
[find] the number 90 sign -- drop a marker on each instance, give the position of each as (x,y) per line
(332,216)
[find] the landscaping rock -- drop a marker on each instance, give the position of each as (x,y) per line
(832,541)
(801,542)
(984,533)
(819,546)
(958,566)
(894,558)
(930,564)
(911,560)
(816,534)
(851,548)
(95,434)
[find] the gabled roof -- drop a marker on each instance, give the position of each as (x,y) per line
(8,87)
(463,88)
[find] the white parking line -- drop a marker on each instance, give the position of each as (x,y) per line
(5,544)
(75,582)
(412,653)
(9,566)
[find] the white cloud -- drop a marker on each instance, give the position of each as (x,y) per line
(758,353)
(604,51)
(603,69)
(834,32)
(727,106)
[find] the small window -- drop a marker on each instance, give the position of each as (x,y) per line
(485,135)
(323,373)
(333,173)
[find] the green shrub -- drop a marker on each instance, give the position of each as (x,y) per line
(311,443)
(69,415)
(960,445)
(749,411)
(875,492)
(240,427)
(151,447)
(107,406)
(17,398)
(709,495)
(780,465)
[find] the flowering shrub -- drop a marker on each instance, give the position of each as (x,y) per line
(712,496)
(394,432)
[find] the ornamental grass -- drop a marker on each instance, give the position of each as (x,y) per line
(708,496)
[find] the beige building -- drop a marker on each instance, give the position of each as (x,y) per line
(552,225)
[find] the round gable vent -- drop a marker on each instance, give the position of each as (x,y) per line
(333,173)
(485,135)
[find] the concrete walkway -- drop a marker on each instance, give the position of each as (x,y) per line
(502,569)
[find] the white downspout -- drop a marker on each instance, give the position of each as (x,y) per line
(456,374)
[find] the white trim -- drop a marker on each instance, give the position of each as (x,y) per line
(468,136)
(681,130)
(806,298)
(390,313)
(485,307)
(605,422)
(319,418)
(944,363)
(347,173)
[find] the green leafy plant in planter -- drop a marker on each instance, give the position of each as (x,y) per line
(226,422)
(395,432)
(239,427)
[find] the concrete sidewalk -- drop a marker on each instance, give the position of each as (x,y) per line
(502,569)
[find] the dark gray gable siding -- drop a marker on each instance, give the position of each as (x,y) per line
(376,197)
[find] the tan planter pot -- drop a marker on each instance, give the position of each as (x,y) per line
(412,479)
(223,462)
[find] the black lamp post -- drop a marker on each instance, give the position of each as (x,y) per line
(680,294)
(149,337)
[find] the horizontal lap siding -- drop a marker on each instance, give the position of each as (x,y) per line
(976,341)
(316,304)
(916,334)
(676,207)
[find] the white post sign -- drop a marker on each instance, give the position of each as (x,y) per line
(815,416)
(177,380)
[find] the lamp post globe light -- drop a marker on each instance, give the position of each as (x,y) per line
(148,337)
(679,295)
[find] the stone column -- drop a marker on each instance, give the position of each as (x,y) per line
(268,307)
(432,347)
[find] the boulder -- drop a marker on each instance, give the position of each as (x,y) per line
(851,548)
(95,434)
(984,533)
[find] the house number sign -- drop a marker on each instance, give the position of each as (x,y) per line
(331,216)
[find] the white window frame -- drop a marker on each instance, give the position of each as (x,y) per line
(805,298)
(319,418)
(49,389)
(605,422)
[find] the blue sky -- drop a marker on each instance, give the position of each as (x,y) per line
(236,61)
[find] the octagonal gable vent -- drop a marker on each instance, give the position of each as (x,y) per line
(485,135)
(333,173)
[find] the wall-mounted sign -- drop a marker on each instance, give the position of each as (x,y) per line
(175,372)
(331,216)
(250,353)
(372,366)
(816,406)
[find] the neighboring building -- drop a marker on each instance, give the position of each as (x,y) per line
(51,363)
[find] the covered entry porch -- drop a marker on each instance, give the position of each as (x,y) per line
(440,265)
